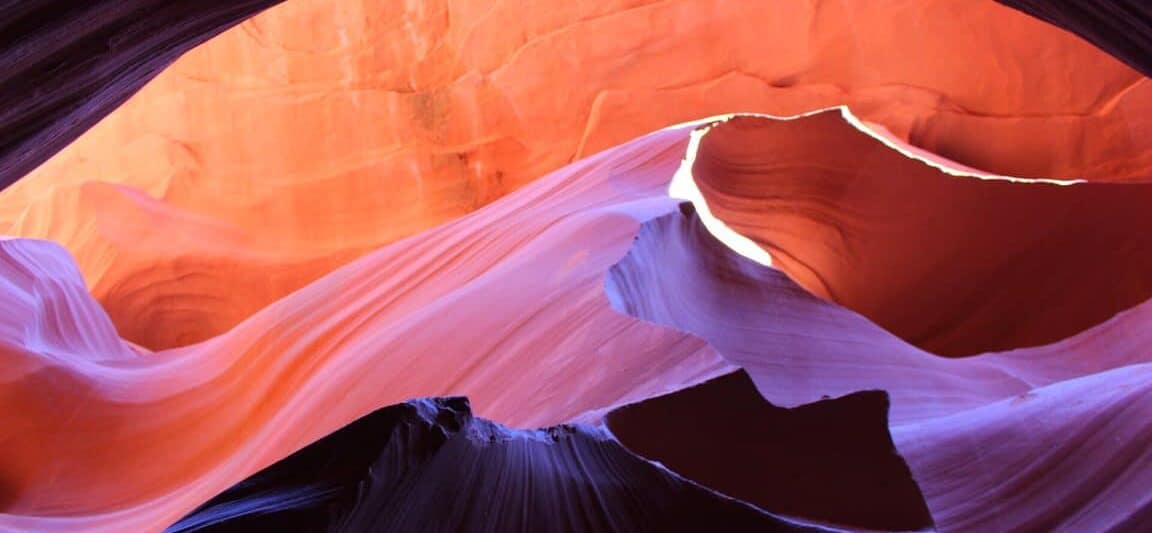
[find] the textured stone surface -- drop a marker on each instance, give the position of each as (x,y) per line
(956,265)
(1048,438)
(339,206)
(321,130)
(429,465)
(513,306)
(505,305)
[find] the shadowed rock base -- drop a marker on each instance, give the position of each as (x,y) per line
(428,465)
(831,461)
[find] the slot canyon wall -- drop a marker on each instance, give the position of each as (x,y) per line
(382,265)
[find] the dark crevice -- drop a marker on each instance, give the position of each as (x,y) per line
(831,461)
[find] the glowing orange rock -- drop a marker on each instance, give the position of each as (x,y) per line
(506,306)
(317,132)
(510,305)
(957,265)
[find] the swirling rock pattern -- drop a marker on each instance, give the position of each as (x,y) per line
(992,440)
(326,360)
(522,281)
(320,131)
(977,265)
(448,198)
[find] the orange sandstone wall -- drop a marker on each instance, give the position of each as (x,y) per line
(318,131)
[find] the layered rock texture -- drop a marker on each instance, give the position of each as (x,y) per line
(895,275)
(322,130)
(385,472)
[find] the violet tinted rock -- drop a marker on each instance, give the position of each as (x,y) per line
(1070,457)
(1066,451)
(428,465)
(799,348)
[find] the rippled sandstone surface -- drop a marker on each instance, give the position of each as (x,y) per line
(514,306)
(341,206)
(319,131)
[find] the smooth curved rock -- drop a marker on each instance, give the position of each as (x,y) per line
(532,338)
(1072,456)
(829,462)
(510,297)
(64,65)
(429,465)
(282,150)
(320,131)
(799,348)
(953,264)
(1042,438)
(960,424)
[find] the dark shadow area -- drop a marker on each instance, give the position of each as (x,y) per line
(831,461)
(428,465)
(955,265)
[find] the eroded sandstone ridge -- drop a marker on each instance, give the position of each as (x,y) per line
(430,465)
(895,275)
(320,131)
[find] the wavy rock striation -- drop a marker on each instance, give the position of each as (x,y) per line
(373,227)
(1038,438)
(1071,456)
(778,318)
(320,131)
(511,297)
(953,264)
(518,300)
(429,465)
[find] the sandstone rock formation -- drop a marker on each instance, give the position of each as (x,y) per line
(400,469)
(320,131)
(923,240)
